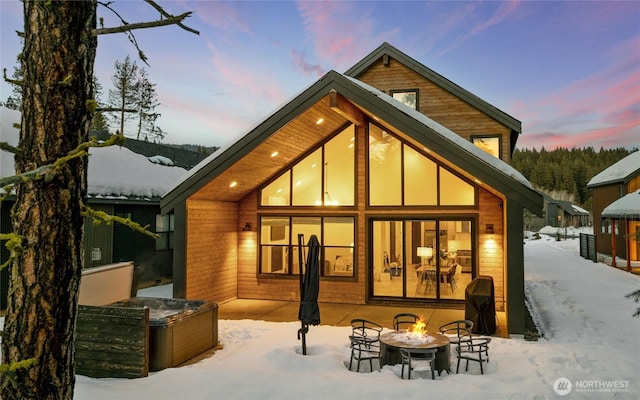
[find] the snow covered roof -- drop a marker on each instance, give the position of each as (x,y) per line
(418,127)
(621,171)
(627,207)
(114,172)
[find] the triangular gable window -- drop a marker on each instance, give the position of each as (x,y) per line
(326,177)
(401,175)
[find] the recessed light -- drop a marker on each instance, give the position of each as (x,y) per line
(275,153)
(319,121)
(233,184)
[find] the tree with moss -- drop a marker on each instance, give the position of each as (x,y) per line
(60,42)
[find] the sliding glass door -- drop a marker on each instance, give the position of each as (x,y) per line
(426,259)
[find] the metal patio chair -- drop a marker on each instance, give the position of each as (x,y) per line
(365,342)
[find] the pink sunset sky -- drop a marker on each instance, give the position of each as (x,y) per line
(569,71)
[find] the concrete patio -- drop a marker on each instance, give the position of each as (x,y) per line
(342,314)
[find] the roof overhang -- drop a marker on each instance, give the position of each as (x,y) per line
(293,131)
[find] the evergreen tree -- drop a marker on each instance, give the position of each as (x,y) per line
(124,96)
(60,42)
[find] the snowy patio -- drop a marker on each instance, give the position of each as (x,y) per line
(590,338)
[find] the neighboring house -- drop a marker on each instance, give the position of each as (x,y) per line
(395,198)
(563,214)
(122,183)
(615,230)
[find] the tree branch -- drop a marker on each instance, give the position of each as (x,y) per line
(167,15)
(141,25)
(101,216)
(9,148)
(9,80)
(48,171)
(115,109)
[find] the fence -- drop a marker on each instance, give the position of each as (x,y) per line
(588,247)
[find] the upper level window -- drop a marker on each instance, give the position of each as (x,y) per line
(408,97)
(491,144)
(401,175)
(326,177)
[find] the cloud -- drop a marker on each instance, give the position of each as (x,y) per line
(221,15)
(600,110)
(464,14)
(300,63)
(340,33)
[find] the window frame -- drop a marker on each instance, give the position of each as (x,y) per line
(292,244)
(165,240)
(415,91)
(474,138)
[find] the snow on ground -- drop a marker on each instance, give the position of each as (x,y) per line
(590,339)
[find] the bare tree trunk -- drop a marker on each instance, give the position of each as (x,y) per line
(57,61)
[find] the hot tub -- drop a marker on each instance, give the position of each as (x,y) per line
(178,329)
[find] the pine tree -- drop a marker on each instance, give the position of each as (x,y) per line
(60,42)
(124,96)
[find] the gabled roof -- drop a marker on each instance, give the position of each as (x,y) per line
(626,207)
(293,128)
(475,101)
(621,172)
(570,208)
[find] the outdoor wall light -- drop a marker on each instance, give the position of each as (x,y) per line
(489,229)
(247,227)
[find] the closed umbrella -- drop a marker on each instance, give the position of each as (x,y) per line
(309,312)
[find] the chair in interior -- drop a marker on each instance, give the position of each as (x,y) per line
(451,277)
(416,359)
(403,321)
(365,342)
(430,280)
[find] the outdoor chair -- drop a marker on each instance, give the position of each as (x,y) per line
(404,321)
(418,358)
(457,331)
(473,350)
(365,342)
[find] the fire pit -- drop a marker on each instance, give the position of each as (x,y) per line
(415,338)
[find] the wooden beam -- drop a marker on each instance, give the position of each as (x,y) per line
(344,107)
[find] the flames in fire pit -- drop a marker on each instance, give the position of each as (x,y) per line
(419,328)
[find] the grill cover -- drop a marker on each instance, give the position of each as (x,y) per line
(480,305)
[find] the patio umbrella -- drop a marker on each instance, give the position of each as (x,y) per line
(309,312)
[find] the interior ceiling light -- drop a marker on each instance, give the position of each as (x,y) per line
(233,184)
(319,121)
(275,153)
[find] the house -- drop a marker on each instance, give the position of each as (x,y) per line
(121,183)
(562,213)
(407,210)
(614,225)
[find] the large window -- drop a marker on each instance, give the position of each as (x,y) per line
(326,177)
(401,175)
(279,244)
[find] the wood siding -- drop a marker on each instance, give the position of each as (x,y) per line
(438,104)
(211,250)
(489,256)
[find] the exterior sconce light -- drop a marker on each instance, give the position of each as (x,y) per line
(247,227)
(489,229)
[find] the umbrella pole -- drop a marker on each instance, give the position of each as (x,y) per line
(305,328)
